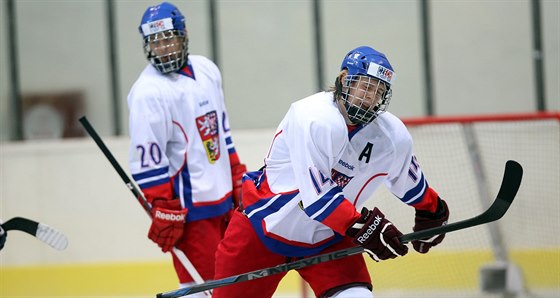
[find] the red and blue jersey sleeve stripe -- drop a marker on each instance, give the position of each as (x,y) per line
(230,146)
(333,210)
(155,183)
(233,157)
(268,205)
(323,207)
(422,196)
(152,177)
(416,194)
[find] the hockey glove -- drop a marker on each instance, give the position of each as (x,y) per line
(378,236)
(168,223)
(426,220)
(237,173)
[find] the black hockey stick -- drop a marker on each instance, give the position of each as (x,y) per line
(135,191)
(41,231)
(510,185)
(138,195)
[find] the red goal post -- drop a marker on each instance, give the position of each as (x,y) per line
(537,116)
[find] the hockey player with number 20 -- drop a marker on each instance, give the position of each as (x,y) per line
(330,153)
(181,153)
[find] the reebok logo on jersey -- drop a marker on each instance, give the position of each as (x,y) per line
(371,229)
(346,165)
(170,216)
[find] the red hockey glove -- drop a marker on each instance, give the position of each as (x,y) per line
(168,223)
(378,236)
(237,172)
(425,220)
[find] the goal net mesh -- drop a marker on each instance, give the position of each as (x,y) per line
(463,159)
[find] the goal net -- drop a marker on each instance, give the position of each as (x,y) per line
(463,159)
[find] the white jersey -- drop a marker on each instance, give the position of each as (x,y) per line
(180,140)
(318,172)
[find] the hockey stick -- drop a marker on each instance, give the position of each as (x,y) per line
(508,189)
(138,195)
(48,235)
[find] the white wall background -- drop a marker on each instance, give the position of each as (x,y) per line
(482,53)
(71,186)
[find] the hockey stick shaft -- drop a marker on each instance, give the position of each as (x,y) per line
(508,190)
(137,194)
(43,232)
(135,191)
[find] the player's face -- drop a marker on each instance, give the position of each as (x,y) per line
(164,44)
(366,92)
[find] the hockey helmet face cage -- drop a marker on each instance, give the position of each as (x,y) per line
(364,98)
(366,88)
(165,37)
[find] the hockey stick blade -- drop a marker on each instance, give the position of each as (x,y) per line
(43,232)
(508,190)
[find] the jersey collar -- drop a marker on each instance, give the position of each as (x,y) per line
(187,70)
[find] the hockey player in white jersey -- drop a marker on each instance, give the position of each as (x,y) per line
(330,153)
(181,153)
